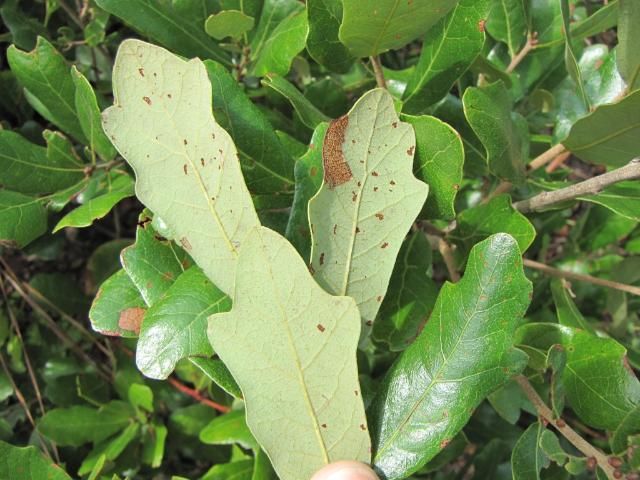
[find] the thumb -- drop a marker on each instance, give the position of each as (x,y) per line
(345,470)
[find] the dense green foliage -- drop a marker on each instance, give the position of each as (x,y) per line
(242,239)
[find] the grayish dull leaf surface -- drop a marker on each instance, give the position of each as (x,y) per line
(367,203)
(292,348)
(186,165)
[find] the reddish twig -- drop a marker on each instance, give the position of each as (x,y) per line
(196,395)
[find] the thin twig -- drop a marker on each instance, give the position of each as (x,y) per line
(567,432)
(449,260)
(503,187)
(555,272)
(23,403)
(557,162)
(377,70)
(27,358)
(532,41)
(196,395)
(630,171)
(51,324)
(546,156)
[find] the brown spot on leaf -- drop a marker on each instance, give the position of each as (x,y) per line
(311,269)
(356,392)
(324,425)
(131,319)
(336,169)
(374,173)
(184,241)
(354,196)
(444,442)
(481,25)
(313,171)
(322,258)
(375,189)
(320,327)
(384,245)
(379,298)
(202,161)
(357,230)
(185,169)
(380,216)
(147,99)
(368,323)
(141,71)
(363,427)
(411,150)
(167,275)
(394,124)
(335,226)
(392,182)
(169,95)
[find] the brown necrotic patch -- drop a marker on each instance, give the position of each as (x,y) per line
(336,169)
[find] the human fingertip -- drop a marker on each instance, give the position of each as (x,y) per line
(345,470)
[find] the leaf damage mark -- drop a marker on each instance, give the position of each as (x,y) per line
(336,169)
(147,100)
(184,241)
(131,319)
(320,327)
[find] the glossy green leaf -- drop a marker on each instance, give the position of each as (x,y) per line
(27,464)
(175,326)
(164,22)
(323,44)
(118,308)
(22,218)
(89,117)
(218,373)
(228,23)
(153,265)
(44,73)
(121,186)
(603,19)
(240,470)
(463,354)
(285,42)
(153,451)
(309,114)
(602,82)
(600,386)
(622,198)
(566,310)
(448,50)
(274,13)
(308,172)
(411,295)
(31,169)
(489,111)
(306,348)
(266,165)
(451,110)
(110,449)
(209,210)
(610,135)
(528,458)
(570,54)
(495,216)
(508,23)
(77,425)
(628,41)
(629,426)
(373,26)
(229,429)
(366,205)
(438,162)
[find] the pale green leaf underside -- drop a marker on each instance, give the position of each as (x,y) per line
(358,226)
(291,346)
(186,165)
